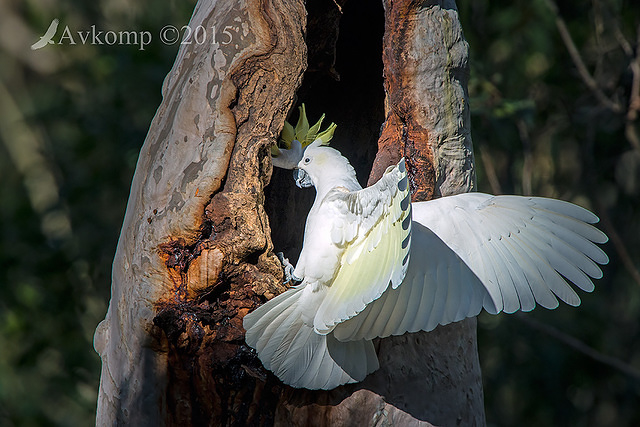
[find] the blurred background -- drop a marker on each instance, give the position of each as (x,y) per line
(555,95)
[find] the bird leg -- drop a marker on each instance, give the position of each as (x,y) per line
(288,268)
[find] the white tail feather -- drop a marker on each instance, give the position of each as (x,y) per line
(296,354)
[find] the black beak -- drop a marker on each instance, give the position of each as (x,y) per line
(303,180)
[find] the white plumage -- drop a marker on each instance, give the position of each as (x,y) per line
(445,260)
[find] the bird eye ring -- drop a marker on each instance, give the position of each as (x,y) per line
(307,160)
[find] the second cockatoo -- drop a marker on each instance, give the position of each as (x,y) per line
(373,264)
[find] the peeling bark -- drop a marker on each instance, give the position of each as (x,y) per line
(430,377)
(426,73)
(195,252)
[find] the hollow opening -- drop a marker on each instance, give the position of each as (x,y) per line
(350,93)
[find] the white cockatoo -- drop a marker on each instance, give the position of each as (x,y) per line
(373,264)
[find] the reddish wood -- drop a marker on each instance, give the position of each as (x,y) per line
(431,377)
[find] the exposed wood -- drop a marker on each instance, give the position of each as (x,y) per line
(195,233)
(425,377)
(426,74)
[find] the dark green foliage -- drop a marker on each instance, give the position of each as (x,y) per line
(539,129)
(89,118)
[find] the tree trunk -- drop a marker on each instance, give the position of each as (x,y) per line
(423,377)
(196,253)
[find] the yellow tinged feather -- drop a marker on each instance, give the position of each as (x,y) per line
(370,262)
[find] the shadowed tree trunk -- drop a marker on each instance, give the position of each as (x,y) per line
(196,254)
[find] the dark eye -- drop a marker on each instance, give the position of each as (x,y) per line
(307,160)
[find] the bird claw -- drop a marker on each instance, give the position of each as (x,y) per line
(288,268)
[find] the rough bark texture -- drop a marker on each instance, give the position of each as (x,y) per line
(194,253)
(426,72)
(425,377)
(427,114)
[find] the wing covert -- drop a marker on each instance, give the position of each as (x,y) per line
(376,235)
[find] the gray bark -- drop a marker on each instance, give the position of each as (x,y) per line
(224,103)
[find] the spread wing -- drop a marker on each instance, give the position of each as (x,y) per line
(375,234)
(439,288)
(503,253)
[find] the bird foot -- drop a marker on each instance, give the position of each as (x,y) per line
(288,268)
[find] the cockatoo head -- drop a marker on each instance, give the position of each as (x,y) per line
(321,163)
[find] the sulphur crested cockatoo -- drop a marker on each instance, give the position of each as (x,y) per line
(374,265)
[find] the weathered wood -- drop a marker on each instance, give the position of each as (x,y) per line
(426,72)
(425,377)
(195,234)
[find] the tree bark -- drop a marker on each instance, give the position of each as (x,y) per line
(195,252)
(424,378)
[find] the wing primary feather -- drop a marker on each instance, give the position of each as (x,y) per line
(550,277)
(426,305)
(402,165)
(404,204)
(513,271)
(578,258)
(454,295)
(403,183)
(406,258)
(406,223)
(525,294)
(466,295)
(560,263)
(566,208)
(405,242)
(439,299)
(487,262)
(413,304)
(382,320)
(532,276)
(574,239)
(585,230)
(373,314)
